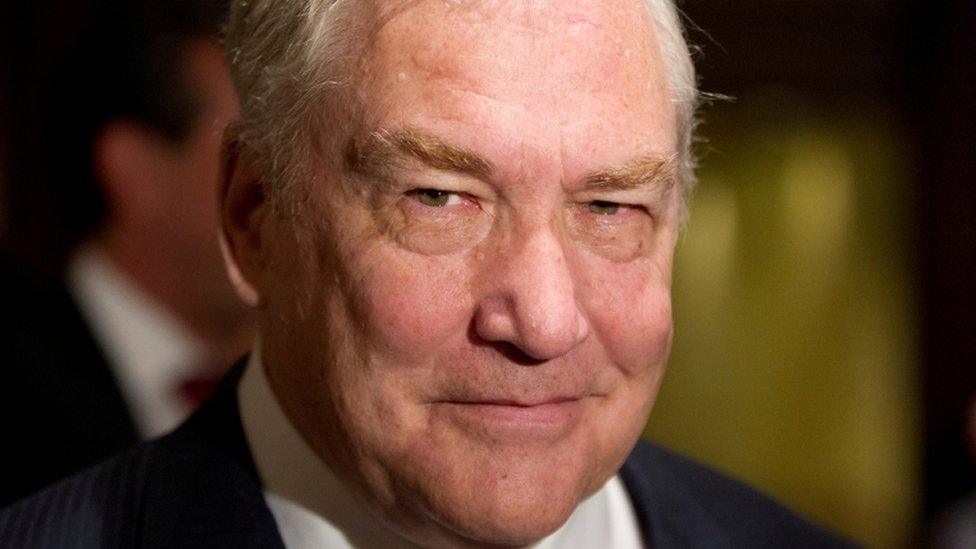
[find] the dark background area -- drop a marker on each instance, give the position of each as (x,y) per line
(35,37)
(942,81)
(914,59)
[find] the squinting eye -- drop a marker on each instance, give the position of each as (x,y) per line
(435,198)
(602,207)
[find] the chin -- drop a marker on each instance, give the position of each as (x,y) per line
(509,522)
(507,498)
(481,480)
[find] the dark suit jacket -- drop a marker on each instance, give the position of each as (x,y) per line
(197,487)
(60,406)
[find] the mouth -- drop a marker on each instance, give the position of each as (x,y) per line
(513,419)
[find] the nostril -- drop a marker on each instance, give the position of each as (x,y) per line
(494,321)
(530,331)
(516,355)
(552,331)
(507,349)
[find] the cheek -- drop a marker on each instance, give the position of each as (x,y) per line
(630,312)
(412,306)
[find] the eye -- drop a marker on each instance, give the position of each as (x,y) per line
(436,198)
(602,207)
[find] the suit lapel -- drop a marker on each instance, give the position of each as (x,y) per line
(202,489)
(55,370)
(669,514)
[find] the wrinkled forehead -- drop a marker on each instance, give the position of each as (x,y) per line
(548,45)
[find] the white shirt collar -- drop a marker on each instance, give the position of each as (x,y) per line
(313,509)
(148,349)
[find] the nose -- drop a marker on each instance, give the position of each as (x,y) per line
(531,302)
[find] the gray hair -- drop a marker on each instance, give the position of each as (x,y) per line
(285,54)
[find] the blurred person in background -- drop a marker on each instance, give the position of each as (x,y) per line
(123,345)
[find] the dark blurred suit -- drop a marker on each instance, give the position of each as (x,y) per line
(60,407)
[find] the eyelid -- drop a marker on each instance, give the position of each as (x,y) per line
(618,201)
(461,202)
(633,197)
(645,200)
(455,197)
(624,207)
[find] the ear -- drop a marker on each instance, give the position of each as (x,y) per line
(244,213)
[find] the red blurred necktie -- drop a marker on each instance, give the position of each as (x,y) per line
(196,389)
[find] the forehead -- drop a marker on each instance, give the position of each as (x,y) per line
(566,39)
(546,72)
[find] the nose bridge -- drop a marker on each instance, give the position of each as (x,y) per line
(540,270)
(540,293)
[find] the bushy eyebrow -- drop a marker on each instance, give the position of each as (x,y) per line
(381,151)
(652,172)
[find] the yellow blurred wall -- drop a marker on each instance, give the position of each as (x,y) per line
(794,360)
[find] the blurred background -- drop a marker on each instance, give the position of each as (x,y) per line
(825,288)
(118,319)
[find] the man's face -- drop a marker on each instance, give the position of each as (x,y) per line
(477,333)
